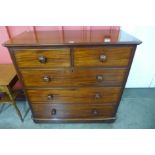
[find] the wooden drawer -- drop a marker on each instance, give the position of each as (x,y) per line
(77,95)
(77,77)
(107,56)
(60,111)
(43,57)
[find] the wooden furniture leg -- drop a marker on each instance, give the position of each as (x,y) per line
(12,98)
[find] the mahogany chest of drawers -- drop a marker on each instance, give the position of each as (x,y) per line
(69,77)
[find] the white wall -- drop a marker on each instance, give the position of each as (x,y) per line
(142,73)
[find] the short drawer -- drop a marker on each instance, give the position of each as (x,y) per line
(77,77)
(75,96)
(60,111)
(107,56)
(43,57)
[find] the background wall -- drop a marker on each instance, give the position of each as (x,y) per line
(142,72)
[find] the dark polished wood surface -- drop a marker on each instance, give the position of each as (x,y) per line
(72,37)
(43,58)
(101,57)
(75,95)
(56,111)
(73,76)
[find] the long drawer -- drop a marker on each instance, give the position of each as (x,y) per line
(77,77)
(75,96)
(43,58)
(60,111)
(106,56)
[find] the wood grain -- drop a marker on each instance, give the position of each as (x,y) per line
(77,95)
(118,56)
(77,77)
(55,57)
(7,73)
(72,111)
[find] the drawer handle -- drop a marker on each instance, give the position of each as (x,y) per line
(42,59)
(46,78)
(99,77)
(97,95)
(53,112)
(103,57)
(50,97)
(95,112)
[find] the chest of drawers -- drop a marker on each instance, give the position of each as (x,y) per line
(73,79)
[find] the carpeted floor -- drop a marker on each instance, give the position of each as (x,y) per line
(136,110)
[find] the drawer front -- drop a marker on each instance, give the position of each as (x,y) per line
(59,111)
(83,77)
(77,95)
(102,56)
(43,58)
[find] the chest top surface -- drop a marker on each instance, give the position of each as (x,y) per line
(72,37)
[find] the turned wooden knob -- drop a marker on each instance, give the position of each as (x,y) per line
(53,112)
(50,97)
(97,95)
(99,78)
(103,58)
(42,59)
(46,78)
(94,112)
